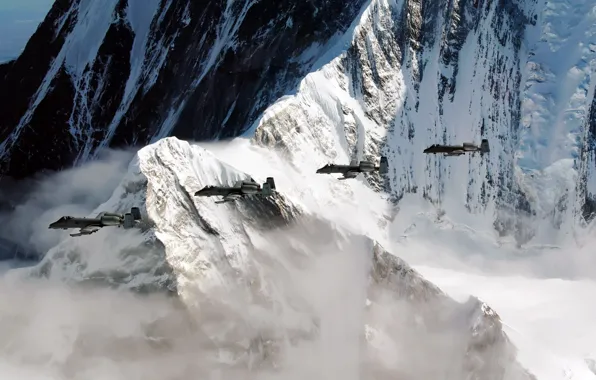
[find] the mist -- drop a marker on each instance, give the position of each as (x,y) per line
(303,306)
(54,331)
(77,192)
(442,241)
(308,313)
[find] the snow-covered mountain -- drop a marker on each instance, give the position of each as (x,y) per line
(395,76)
(127,72)
(398,100)
(300,283)
(266,279)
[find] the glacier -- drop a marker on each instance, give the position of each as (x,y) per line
(536,309)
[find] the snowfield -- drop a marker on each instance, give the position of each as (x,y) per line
(551,321)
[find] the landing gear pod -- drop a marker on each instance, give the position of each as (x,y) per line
(129,220)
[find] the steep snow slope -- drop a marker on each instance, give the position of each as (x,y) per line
(376,97)
(403,74)
(273,286)
(556,138)
(369,96)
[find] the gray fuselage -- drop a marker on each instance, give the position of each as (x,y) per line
(103,219)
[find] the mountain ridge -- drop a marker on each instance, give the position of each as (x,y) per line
(242,264)
(418,74)
(117,95)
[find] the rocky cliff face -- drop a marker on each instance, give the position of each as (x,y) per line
(414,76)
(425,314)
(127,72)
(587,164)
(417,75)
(391,77)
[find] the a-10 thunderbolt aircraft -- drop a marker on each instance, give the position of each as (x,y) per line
(352,170)
(239,190)
(458,150)
(103,219)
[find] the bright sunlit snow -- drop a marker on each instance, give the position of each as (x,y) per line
(547,319)
(551,321)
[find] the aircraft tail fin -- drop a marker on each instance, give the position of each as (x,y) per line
(384,165)
(484,147)
(271,182)
(136,213)
(268,186)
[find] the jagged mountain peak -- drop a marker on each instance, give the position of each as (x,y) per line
(272,268)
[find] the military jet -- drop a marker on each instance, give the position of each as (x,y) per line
(103,219)
(458,150)
(239,190)
(352,170)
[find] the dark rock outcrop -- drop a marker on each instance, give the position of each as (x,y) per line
(207,71)
(587,166)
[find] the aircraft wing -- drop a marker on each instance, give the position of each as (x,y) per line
(210,191)
(455,152)
(86,231)
(335,169)
(443,149)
